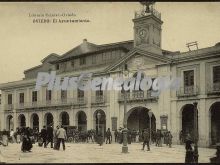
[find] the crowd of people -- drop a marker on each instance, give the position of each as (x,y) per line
(158,137)
(55,136)
(29,136)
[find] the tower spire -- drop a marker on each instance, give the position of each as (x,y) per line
(148,5)
(147,28)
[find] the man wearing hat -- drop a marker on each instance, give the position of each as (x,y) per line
(146,139)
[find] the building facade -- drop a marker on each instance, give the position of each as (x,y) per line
(172,110)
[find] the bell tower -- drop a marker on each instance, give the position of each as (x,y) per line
(147,28)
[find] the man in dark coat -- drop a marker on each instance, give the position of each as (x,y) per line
(50,136)
(146,139)
(100,138)
(169,138)
(157,138)
(133,135)
(43,134)
(116,135)
(189,158)
(108,136)
(129,136)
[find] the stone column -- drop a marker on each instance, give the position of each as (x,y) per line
(71,116)
(41,120)
(14,102)
(202,117)
(111,108)
(202,124)
(14,99)
(2,111)
(15,122)
(175,126)
(89,109)
(27,117)
(28,96)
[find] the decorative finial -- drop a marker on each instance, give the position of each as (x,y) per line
(147,5)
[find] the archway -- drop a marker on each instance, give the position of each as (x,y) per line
(138,119)
(34,121)
(100,123)
(188,120)
(9,122)
(82,121)
(64,119)
(48,119)
(215,123)
(21,121)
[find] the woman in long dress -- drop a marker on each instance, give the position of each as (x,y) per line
(26,144)
(5,138)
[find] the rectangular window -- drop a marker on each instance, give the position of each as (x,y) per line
(99,93)
(63,95)
(108,56)
(189,78)
(21,98)
(9,98)
(57,66)
(113,55)
(103,56)
(72,63)
(34,96)
(48,95)
(80,93)
(94,59)
(82,61)
(216,74)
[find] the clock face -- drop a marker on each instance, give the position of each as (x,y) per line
(143,33)
(138,62)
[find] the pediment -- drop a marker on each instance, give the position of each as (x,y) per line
(139,59)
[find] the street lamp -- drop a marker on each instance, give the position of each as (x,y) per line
(196,154)
(125,140)
(150,115)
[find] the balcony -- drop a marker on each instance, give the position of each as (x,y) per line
(9,107)
(80,101)
(137,96)
(213,88)
(188,91)
(20,106)
(51,103)
(99,99)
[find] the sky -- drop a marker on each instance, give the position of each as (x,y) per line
(24,44)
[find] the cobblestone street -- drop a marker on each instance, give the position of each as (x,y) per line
(108,153)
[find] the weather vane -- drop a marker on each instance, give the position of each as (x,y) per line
(147,5)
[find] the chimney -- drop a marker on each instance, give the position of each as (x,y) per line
(85,46)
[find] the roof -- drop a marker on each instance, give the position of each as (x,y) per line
(89,48)
(49,56)
(42,61)
(85,47)
(35,67)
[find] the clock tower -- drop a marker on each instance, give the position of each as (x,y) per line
(147,29)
